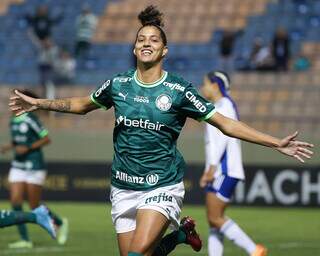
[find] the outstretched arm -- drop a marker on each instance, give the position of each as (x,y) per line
(288,145)
(20,104)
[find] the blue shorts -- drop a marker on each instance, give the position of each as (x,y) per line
(223,186)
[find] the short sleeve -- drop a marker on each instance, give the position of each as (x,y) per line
(102,96)
(195,106)
(37,126)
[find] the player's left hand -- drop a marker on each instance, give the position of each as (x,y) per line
(297,149)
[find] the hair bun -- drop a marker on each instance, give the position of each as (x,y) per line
(151,16)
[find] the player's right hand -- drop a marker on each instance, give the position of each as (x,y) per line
(207,177)
(20,103)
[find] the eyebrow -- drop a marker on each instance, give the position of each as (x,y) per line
(150,36)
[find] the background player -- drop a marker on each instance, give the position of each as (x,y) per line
(151,107)
(39,215)
(27,173)
(223,171)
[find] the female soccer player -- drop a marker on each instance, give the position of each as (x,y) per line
(151,106)
(27,173)
(39,215)
(223,171)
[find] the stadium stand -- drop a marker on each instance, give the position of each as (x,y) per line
(275,101)
(4,4)
(206,17)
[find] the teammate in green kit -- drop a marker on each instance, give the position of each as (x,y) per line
(39,215)
(28,172)
(151,106)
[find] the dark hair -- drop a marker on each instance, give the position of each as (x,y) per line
(29,93)
(151,16)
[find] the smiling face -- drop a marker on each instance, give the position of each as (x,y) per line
(149,47)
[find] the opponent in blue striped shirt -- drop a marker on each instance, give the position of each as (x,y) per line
(223,171)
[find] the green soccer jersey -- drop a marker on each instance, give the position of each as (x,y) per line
(25,130)
(148,121)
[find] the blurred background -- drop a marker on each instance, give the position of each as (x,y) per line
(270,49)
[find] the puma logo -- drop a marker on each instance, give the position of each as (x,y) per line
(122,95)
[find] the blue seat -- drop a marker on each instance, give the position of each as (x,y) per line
(315,7)
(296,35)
(314,20)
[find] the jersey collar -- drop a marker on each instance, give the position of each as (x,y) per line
(148,85)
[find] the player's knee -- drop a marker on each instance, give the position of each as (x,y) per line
(215,222)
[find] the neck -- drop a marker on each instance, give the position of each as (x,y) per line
(149,73)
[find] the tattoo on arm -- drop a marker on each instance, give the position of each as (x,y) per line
(59,105)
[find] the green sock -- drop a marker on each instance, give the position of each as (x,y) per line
(56,218)
(169,242)
(22,228)
(134,254)
(10,218)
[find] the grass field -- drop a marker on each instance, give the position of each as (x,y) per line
(284,231)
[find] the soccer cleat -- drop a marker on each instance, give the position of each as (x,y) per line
(44,220)
(187,225)
(22,244)
(62,232)
(260,251)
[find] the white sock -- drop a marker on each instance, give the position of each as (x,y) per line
(234,233)
(215,242)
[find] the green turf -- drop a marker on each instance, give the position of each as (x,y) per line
(284,231)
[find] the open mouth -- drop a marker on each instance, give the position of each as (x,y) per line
(146,52)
